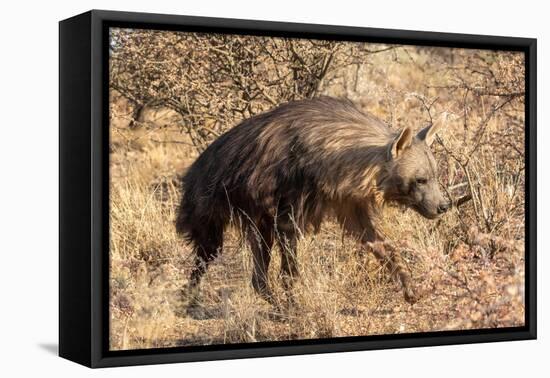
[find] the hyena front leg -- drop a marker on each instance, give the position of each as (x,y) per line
(358,223)
(386,253)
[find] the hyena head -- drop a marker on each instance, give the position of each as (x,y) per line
(411,177)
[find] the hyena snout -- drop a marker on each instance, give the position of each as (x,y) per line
(430,202)
(443,207)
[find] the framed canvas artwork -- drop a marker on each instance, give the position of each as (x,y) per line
(234,188)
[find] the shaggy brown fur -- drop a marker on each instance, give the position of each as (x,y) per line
(280,173)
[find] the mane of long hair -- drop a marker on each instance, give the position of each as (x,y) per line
(312,156)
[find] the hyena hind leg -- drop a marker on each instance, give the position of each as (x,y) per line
(207,248)
(287,241)
(260,239)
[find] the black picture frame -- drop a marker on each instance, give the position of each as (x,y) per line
(83,195)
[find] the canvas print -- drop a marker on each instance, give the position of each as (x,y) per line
(272,189)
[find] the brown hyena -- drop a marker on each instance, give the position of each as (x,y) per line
(282,172)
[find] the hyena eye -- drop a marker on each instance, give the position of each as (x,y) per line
(421,180)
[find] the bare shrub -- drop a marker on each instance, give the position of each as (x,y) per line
(214,80)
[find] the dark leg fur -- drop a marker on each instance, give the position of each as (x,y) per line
(207,248)
(287,241)
(261,243)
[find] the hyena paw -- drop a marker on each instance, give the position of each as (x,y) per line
(411,296)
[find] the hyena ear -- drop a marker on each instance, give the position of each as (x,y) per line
(401,143)
(428,133)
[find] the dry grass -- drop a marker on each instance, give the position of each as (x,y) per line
(469,264)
